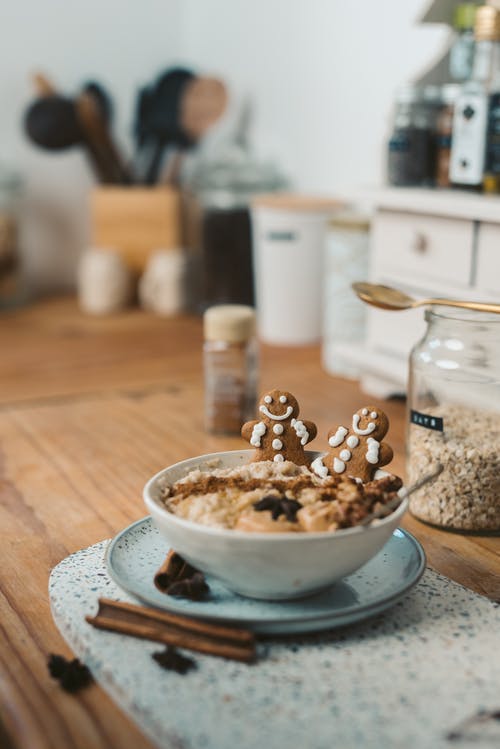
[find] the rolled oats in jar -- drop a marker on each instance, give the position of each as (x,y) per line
(454,419)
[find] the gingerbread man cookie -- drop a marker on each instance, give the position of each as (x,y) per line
(358,450)
(280,434)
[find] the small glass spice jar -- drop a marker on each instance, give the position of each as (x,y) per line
(454,419)
(411,148)
(230,367)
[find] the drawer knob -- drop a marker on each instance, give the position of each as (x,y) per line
(419,243)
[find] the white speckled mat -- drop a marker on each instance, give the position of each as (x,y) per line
(401,680)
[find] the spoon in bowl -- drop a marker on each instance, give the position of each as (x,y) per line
(402,494)
(386,297)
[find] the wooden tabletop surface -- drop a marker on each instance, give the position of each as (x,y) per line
(89,409)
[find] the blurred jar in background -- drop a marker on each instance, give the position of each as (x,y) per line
(344,319)
(11,287)
(216,225)
(411,148)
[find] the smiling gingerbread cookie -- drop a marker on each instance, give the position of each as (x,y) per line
(280,434)
(358,450)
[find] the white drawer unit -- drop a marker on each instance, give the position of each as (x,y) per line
(428,243)
(415,245)
(488,259)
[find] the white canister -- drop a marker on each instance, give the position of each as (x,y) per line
(104,282)
(344,319)
(288,245)
(161,285)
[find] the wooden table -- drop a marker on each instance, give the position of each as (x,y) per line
(89,409)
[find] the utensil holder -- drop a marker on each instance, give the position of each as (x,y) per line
(135,221)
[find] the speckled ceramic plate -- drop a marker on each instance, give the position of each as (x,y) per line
(135,554)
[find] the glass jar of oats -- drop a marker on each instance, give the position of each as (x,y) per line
(454,419)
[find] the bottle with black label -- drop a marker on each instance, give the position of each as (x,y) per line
(470,121)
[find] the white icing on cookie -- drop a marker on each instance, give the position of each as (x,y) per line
(338,465)
(338,437)
(373,450)
(364,412)
(352,441)
(277,444)
(268,399)
(373,415)
(283,399)
(319,468)
(278,458)
(355,425)
(278,428)
(282,417)
(257,432)
(301,431)
(345,455)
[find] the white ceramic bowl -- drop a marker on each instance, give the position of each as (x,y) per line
(271,566)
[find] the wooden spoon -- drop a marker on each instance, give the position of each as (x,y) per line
(386,297)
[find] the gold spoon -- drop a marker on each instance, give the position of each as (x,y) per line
(402,494)
(386,297)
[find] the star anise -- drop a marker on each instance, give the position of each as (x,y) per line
(194,587)
(172,660)
(72,675)
(279,506)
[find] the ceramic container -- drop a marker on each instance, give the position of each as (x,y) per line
(264,565)
(289,235)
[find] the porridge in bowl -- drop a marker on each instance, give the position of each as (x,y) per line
(276,497)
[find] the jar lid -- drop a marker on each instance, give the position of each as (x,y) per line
(431,94)
(234,323)
(464,15)
(231,175)
(350,220)
(282,201)
(450,92)
(487,23)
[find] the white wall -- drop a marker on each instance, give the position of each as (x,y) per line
(321,74)
(121,43)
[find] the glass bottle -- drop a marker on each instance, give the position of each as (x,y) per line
(491,178)
(444,131)
(454,419)
(216,223)
(12,291)
(467,158)
(230,367)
(462,49)
(411,146)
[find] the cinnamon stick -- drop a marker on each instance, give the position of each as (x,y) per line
(173,569)
(173,629)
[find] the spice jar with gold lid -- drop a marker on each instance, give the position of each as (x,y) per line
(454,419)
(230,367)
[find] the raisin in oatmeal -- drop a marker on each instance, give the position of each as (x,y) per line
(276,497)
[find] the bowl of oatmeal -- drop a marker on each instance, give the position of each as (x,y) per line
(270,530)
